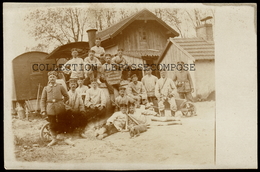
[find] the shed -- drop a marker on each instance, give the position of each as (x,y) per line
(199,52)
(29,70)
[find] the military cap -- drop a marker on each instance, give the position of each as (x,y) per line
(91,51)
(80,78)
(72,80)
(134,75)
(122,88)
(53,73)
(123,105)
(108,55)
(93,80)
(180,62)
(120,49)
(74,49)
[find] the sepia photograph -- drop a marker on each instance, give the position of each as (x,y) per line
(110,86)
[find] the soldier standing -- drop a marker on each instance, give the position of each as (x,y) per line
(52,103)
(99,51)
(164,91)
(183,82)
(74,66)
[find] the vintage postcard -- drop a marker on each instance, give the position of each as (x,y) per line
(129,86)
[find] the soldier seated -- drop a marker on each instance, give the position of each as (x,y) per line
(76,115)
(136,90)
(95,100)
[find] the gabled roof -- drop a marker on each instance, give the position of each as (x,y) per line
(197,48)
(115,29)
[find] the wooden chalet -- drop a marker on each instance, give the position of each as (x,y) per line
(143,37)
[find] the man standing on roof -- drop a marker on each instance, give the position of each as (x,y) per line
(121,63)
(93,66)
(183,82)
(99,51)
(74,66)
(110,77)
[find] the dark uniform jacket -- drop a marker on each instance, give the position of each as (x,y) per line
(183,81)
(53,98)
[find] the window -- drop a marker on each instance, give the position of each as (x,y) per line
(142,34)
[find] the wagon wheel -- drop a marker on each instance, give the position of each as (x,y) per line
(190,108)
(45,132)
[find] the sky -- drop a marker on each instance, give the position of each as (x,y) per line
(15,28)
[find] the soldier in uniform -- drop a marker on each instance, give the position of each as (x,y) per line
(136,91)
(74,66)
(95,100)
(81,89)
(52,103)
(75,107)
(149,82)
(99,51)
(122,64)
(183,82)
(93,66)
(164,91)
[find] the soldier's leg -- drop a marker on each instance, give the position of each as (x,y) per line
(90,74)
(53,129)
(161,107)
(173,105)
(138,101)
(189,96)
(181,95)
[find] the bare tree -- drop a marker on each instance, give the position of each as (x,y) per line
(61,25)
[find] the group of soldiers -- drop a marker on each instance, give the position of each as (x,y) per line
(86,99)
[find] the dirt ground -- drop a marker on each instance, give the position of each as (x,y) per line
(192,143)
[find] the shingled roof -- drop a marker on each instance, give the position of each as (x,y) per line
(143,53)
(115,29)
(196,48)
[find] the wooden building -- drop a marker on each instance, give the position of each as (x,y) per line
(198,51)
(143,37)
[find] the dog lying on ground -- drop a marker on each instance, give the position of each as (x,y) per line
(136,130)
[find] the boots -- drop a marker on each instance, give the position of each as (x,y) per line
(162,113)
(69,142)
(54,138)
(53,142)
(82,133)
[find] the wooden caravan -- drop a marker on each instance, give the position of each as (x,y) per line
(30,74)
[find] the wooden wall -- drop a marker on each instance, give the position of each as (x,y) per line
(26,81)
(142,35)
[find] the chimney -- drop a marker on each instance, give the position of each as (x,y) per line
(205,30)
(91,37)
